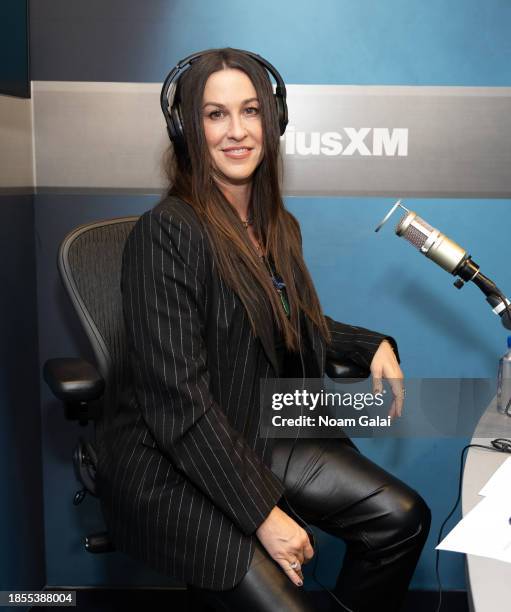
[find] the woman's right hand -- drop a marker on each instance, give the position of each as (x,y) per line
(286,542)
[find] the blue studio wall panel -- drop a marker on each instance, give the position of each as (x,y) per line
(375,280)
(21,494)
(402,292)
(369,42)
(14,75)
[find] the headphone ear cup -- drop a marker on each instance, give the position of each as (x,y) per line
(282,113)
(176,128)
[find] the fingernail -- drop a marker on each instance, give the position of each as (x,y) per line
(300,583)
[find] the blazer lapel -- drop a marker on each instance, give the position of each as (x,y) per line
(315,346)
(267,338)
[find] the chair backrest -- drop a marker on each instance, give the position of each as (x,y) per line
(89,261)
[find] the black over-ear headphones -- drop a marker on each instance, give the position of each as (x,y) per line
(172,113)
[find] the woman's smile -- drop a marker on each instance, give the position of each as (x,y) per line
(237,153)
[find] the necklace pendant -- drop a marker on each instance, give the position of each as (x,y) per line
(284,301)
(247,222)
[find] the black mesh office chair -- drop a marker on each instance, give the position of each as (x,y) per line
(89,263)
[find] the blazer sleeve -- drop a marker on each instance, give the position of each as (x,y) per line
(357,344)
(165,304)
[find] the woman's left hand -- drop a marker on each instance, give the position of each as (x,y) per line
(385,365)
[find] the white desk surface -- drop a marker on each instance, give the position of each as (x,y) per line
(489,581)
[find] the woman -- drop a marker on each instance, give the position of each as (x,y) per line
(190,487)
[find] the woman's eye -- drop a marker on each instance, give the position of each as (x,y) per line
(252,110)
(215,114)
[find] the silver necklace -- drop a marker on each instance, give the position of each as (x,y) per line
(259,248)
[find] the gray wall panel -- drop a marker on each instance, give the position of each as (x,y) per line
(16,161)
(98,135)
(341,140)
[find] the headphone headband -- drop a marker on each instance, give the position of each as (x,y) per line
(173,116)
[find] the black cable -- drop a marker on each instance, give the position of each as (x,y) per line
(507,307)
(500,445)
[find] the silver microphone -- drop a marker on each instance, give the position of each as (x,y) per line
(428,240)
(449,256)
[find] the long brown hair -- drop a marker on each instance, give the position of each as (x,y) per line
(190,173)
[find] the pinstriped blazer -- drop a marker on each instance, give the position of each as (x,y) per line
(183,475)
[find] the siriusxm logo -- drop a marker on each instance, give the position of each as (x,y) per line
(351,141)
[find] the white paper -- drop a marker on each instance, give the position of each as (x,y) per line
(485,530)
(500,483)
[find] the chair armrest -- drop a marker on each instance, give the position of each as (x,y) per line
(345,369)
(99,543)
(73,380)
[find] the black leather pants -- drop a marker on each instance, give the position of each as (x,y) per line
(384,523)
